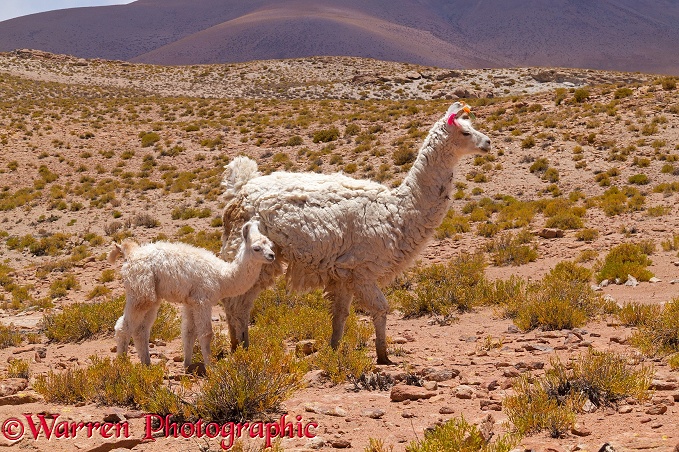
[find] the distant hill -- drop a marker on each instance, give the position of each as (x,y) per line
(609,34)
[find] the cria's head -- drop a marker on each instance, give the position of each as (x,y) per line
(257,243)
(467,139)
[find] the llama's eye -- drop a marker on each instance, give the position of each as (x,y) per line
(466,133)
(257,249)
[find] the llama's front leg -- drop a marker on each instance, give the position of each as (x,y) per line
(237,310)
(188,334)
(340,297)
(202,319)
(141,332)
(373,300)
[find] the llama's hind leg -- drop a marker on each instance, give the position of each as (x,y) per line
(341,300)
(373,300)
(237,311)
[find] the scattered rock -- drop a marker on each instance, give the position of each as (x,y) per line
(674,281)
(114,417)
(512,329)
(656,410)
(196,369)
(399,340)
(551,233)
(464,392)
(486,427)
(654,280)
(631,281)
(442,375)
(446,410)
(624,409)
(316,378)
(430,385)
(604,283)
(40,352)
(401,392)
(588,406)
(618,340)
(340,443)
(316,442)
(177,358)
(320,409)
(407,414)
(10,386)
(580,430)
(511,373)
(373,414)
(20,398)
(659,385)
(490,405)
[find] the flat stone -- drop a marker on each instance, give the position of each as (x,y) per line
(401,392)
(512,329)
(631,281)
(316,442)
(655,280)
(624,409)
(340,443)
(655,410)
(442,375)
(320,409)
(399,340)
(618,340)
(407,414)
(10,386)
(20,398)
(446,410)
(490,405)
(660,385)
(430,385)
(550,233)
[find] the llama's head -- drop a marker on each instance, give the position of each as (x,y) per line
(467,140)
(257,243)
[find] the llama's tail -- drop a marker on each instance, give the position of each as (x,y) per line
(123,249)
(238,173)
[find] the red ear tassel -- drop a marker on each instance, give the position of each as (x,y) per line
(451,120)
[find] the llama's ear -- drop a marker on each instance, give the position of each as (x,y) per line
(246,230)
(117,246)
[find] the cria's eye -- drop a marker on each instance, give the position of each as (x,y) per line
(466,133)
(257,248)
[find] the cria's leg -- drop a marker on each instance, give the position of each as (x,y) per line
(373,300)
(141,331)
(122,333)
(341,300)
(202,318)
(189,332)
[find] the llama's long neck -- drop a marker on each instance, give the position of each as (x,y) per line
(239,275)
(424,195)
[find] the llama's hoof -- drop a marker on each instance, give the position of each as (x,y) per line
(197,369)
(385,361)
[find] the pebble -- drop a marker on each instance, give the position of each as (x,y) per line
(10,386)
(464,392)
(446,410)
(430,385)
(624,409)
(580,430)
(320,409)
(492,405)
(442,375)
(655,280)
(340,443)
(512,329)
(399,340)
(316,442)
(618,340)
(407,414)
(631,281)
(373,414)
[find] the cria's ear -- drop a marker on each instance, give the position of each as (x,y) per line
(246,230)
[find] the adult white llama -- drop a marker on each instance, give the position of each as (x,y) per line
(346,235)
(184,274)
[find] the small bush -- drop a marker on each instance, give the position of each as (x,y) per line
(80,321)
(510,249)
(623,260)
(18,368)
(587,235)
(247,384)
(565,220)
(149,139)
(452,224)
(670,244)
(60,287)
(9,336)
(345,363)
(638,179)
(562,299)
(295,140)
(326,135)
(107,275)
(659,335)
(621,93)
(111,382)
(638,314)
(580,95)
(457,435)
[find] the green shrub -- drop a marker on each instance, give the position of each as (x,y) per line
(9,336)
(296,140)
(623,260)
(443,289)
(18,368)
(565,220)
(452,224)
(80,321)
(512,249)
(345,363)
(638,314)
(247,384)
(326,135)
(457,435)
(587,235)
(621,93)
(111,382)
(638,179)
(580,95)
(659,334)
(60,287)
(149,139)
(562,299)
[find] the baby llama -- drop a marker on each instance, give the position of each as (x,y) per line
(349,236)
(184,274)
